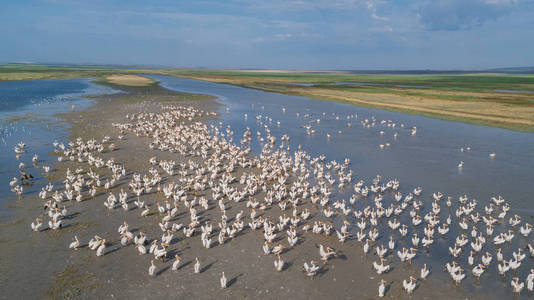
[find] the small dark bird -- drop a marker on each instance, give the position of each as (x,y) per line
(25,178)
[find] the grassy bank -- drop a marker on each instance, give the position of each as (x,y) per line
(470,98)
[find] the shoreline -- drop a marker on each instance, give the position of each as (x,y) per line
(122,273)
(56,277)
(474,105)
(287,88)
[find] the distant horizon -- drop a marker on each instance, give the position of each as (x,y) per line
(530,69)
(276,34)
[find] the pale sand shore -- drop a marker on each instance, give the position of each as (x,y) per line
(40,265)
(130,80)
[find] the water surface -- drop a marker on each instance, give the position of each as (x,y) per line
(27,114)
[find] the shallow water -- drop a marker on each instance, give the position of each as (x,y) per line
(513,91)
(429,159)
(27,110)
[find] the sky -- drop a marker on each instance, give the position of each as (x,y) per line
(277,34)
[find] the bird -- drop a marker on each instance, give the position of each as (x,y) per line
(381,288)
(279,264)
(424,272)
(311,269)
(223,281)
(152,268)
(517,286)
(196,266)
(409,285)
(176,263)
(37,224)
(101,248)
(74,245)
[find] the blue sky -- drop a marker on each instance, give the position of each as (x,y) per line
(287,34)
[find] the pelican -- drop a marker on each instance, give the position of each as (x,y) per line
(266,249)
(517,286)
(503,268)
(381,288)
(458,276)
(176,263)
(410,285)
(152,268)
(74,245)
(530,281)
(381,268)
(197,266)
(223,281)
(325,254)
(478,270)
(525,230)
(141,249)
(37,224)
(101,248)
(311,269)
(424,272)
(279,264)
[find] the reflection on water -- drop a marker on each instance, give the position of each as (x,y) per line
(428,159)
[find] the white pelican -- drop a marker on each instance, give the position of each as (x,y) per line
(279,264)
(74,245)
(424,272)
(101,248)
(381,288)
(176,263)
(152,268)
(223,281)
(197,266)
(517,286)
(478,270)
(311,269)
(37,224)
(410,285)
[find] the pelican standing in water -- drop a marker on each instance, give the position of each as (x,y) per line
(75,244)
(409,286)
(424,272)
(517,286)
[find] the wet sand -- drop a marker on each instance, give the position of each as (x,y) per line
(40,265)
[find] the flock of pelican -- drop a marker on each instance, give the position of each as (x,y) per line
(387,223)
